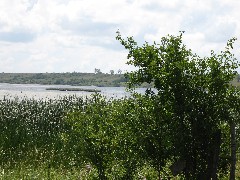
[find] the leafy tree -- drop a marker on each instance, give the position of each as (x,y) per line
(193,96)
(112,72)
(119,71)
(125,114)
(152,131)
(106,136)
(94,131)
(97,71)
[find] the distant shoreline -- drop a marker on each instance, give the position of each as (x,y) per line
(73,79)
(73,89)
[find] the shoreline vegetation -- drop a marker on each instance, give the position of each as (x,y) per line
(73,89)
(158,135)
(73,79)
(76,79)
(49,139)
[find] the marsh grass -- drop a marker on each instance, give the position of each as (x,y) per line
(37,141)
(30,129)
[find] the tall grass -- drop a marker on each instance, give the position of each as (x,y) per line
(57,138)
(31,130)
(38,141)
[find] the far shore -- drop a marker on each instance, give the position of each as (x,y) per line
(74,89)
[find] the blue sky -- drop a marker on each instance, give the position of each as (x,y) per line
(79,35)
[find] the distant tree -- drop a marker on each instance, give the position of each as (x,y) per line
(119,71)
(59,81)
(112,72)
(97,71)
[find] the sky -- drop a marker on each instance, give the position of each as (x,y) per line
(38,36)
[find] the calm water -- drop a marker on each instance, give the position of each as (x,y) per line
(37,91)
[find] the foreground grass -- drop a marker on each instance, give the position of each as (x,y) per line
(44,172)
(24,171)
(43,139)
(82,173)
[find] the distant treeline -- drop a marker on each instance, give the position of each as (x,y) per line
(75,79)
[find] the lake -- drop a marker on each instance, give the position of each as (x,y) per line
(37,91)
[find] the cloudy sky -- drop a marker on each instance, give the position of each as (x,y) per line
(79,35)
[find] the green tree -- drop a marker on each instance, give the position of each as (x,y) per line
(94,131)
(112,72)
(193,95)
(97,71)
(105,136)
(119,71)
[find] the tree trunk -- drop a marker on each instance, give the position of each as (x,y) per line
(233,151)
(216,154)
(159,175)
(214,157)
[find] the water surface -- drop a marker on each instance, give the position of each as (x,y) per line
(37,91)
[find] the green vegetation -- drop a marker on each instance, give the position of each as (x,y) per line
(187,129)
(85,138)
(74,79)
(72,137)
(197,106)
(73,89)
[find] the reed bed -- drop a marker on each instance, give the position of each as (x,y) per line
(31,130)
(38,139)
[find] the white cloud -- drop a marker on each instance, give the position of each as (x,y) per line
(79,35)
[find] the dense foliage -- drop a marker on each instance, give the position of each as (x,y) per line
(195,99)
(31,129)
(88,137)
(72,133)
(184,128)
